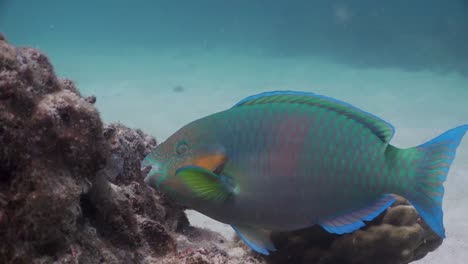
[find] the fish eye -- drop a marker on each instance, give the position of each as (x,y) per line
(182,147)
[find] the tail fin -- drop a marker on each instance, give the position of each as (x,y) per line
(426,192)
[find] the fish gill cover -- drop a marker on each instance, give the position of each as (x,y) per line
(71,191)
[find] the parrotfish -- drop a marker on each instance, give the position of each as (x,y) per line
(286,160)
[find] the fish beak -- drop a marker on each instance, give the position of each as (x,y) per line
(151,173)
(145,171)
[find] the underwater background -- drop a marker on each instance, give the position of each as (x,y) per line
(157,65)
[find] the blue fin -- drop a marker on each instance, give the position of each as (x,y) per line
(257,239)
(427,191)
(353,221)
(379,127)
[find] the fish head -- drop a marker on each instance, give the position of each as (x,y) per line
(188,147)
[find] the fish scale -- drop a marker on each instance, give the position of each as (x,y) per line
(293,159)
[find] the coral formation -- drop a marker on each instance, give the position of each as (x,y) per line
(396,236)
(71,191)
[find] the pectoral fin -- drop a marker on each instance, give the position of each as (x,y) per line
(257,239)
(204,183)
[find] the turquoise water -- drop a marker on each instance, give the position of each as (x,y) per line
(158,65)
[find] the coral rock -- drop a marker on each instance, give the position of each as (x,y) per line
(397,236)
(71,190)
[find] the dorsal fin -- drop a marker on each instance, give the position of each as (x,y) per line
(379,127)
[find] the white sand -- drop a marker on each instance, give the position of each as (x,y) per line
(135,88)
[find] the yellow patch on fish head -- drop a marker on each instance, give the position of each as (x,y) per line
(210,161)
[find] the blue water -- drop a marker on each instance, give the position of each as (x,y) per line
(159,64)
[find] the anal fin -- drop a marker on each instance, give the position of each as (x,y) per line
(257,239)
(353,221)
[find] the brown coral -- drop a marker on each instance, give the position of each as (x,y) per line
(70,188)
(396,236)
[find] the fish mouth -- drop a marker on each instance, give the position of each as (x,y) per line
(151,175)
(145,170)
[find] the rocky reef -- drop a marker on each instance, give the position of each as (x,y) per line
(71,191)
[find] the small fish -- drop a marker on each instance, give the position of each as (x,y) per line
(286,160)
